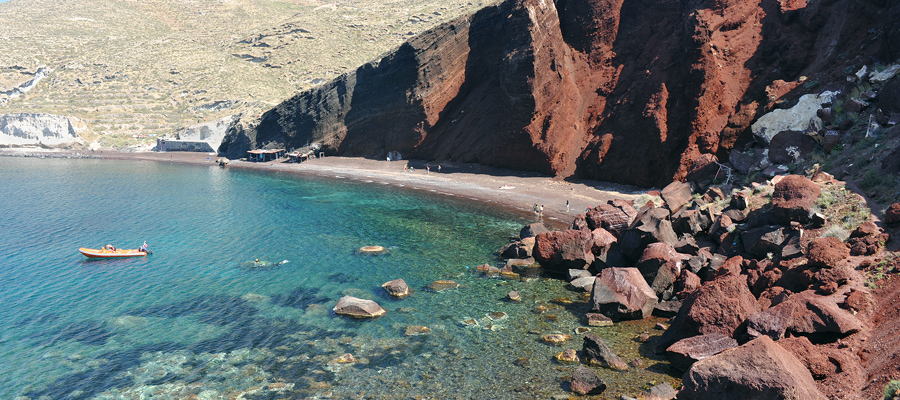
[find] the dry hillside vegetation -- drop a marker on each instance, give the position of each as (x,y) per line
(127,67)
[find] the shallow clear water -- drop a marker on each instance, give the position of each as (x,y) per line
(193,321)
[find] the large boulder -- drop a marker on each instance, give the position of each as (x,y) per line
(615,216)
(760,369)
(519,249)
(719,306)
(656,255)
(664,282)
(892,214)
(762,241)
(817,317)
(532,230)
(559,251)
(796,118)
(690,350)
(793,198)
(622,293)
(676,195)
(358,308)
(826,252)
(651,225)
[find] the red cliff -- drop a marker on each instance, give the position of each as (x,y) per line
(624,91)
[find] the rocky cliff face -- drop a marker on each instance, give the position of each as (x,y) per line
(38,130)
(626,91)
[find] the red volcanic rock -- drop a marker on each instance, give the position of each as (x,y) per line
(655,255)
(760,369)
(690,350)
(602,239)
(892,214)
(867,239)
(615,217)
(686,283)
(719,306)
(676,195)
(804,314)
(826,252)
(585,381)
(559,251)
(604,89)
(793,198)
(622,293)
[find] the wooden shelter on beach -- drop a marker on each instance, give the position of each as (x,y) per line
(262,155)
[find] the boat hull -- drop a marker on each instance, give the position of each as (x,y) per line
(119,253)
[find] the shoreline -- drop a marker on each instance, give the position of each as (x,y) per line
(513,190)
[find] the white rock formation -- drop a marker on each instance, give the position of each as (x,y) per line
(19,130)
(795,118)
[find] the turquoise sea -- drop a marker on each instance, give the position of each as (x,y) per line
(194,321)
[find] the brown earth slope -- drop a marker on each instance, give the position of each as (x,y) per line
(625,91)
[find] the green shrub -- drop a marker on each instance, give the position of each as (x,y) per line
(892,390)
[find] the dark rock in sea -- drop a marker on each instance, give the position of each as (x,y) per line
(532,230)
(559,251)
(396,288)
(358,308)
(586,382)
(596,352)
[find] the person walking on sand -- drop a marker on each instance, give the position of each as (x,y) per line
(541,211)
(428,169)
(567,206)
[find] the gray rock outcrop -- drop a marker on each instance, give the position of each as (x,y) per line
(43,130)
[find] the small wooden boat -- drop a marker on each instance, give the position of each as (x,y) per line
(110,253)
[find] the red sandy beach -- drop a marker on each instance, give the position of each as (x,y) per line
(506,188)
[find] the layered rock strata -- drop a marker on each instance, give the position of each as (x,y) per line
(626,91)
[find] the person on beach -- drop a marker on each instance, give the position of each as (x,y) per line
(541,211)
(567,206)
(439,168)
(427,169)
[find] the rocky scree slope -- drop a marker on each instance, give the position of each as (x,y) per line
(626,91)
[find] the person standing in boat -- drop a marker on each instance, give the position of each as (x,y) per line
(144,248)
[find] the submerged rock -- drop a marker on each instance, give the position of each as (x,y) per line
(439,286)
(358,308)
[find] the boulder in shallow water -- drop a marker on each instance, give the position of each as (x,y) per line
(439,286)
(396,288)
(585,381)
(596,352)
(358,308)
(622,293)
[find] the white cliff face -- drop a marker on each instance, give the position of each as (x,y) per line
(211,132)
(17,130)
